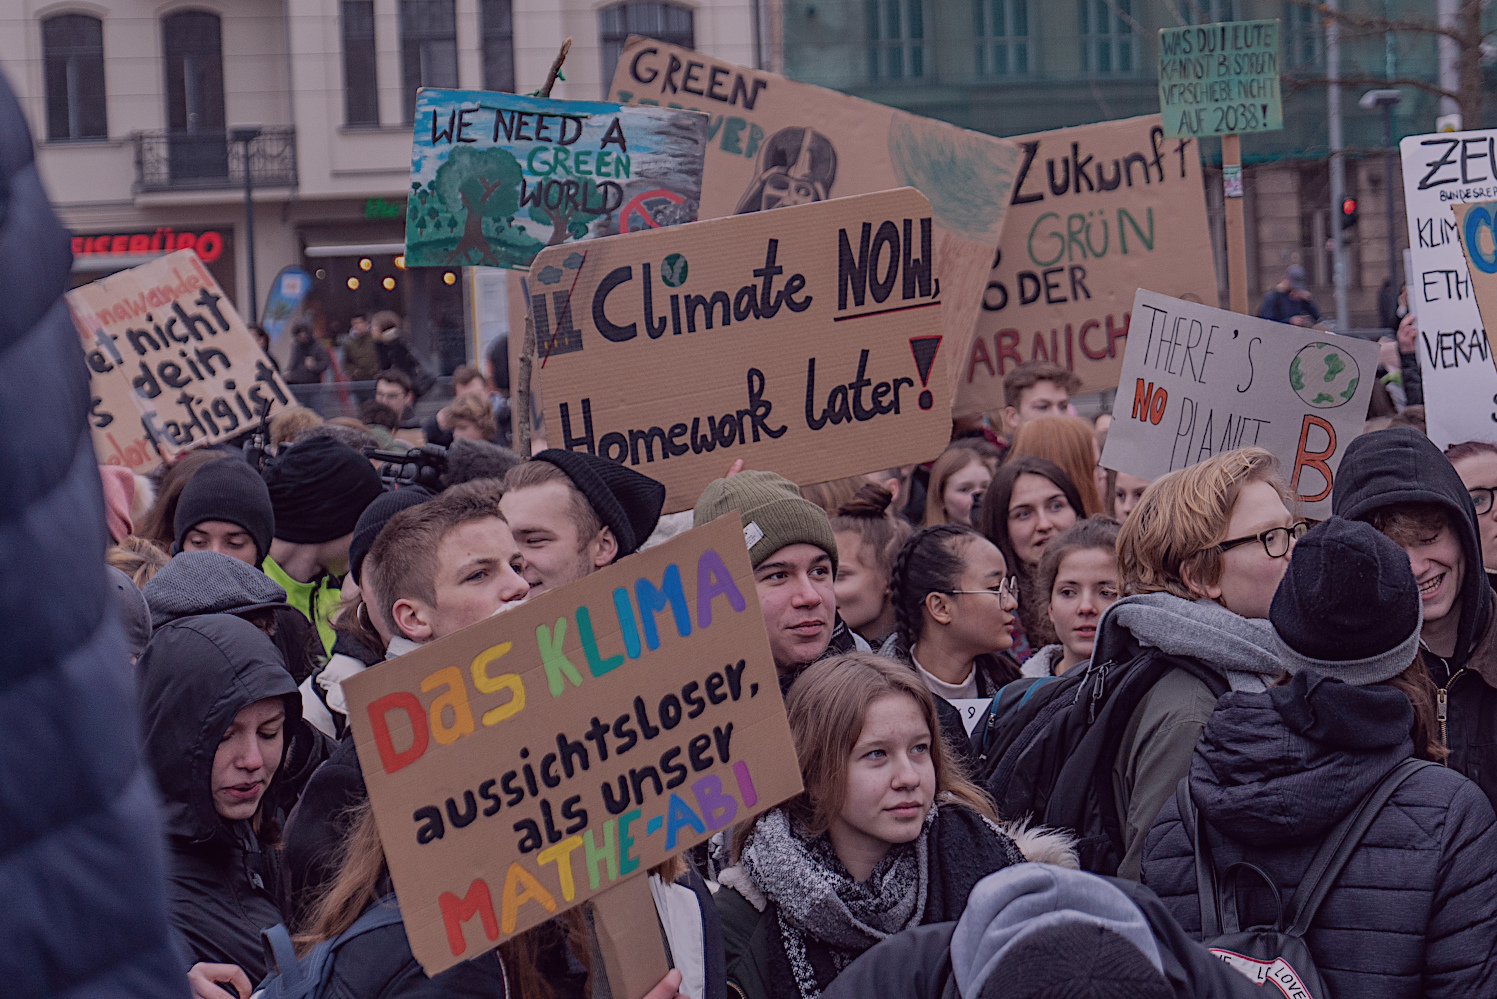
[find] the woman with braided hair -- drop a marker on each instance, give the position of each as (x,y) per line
(954,604)
(868,541)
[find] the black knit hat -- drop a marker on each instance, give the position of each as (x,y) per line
(628,502)
(373,520)
(1349,601)
(231,491)
(318,489)
(1074,959)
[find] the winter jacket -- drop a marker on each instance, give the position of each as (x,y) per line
(757,965)
(1280,307)
(1412,378)
(1411,914)
(298,372)
(225,882)
(1401,465)
(1229,650)
(318,600)
(360,358)
(920,963)
(84,900)
(322,701)
(319,824)
(993,672)
(1043,662)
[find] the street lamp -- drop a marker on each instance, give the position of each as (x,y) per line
(1387,100)
(247,134)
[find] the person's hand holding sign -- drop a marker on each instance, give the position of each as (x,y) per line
(208,981)
(669,987)
(1408,334)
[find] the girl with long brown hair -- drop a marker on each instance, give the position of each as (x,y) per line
(888,834)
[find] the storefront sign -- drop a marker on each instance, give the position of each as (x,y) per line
(209,243)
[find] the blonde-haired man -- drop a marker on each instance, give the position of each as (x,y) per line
(1200,556)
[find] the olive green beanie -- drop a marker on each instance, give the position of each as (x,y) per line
(774,514)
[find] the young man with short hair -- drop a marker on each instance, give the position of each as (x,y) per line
(395,389)
(573,513)
(466,381)
(1035,389)
(1399,482)
(317,490)
(794,555)
(1200,558)
(225,508)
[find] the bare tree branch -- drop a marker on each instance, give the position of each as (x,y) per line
(1292,84)
(1380,24)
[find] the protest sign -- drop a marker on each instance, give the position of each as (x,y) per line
(169,360)
(1441,171)
(806,340)
(1474,224)
(497,177)
(773,142)
(1220,79)
(1097,211)
(1198,381)
(523,765)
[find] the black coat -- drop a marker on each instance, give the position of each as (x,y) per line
(916,964)
(316,829)
(225,881)
(83,910)
(1411,915)
(1401,465)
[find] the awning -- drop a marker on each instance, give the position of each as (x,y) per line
(357,250)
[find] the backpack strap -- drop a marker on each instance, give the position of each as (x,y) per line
(281,955)
(384,912)
(1340,843)
(1205,870)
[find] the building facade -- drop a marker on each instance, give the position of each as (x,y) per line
(147,116)
(1010,67)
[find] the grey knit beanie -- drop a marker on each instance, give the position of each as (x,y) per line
(209,583)
(774,514)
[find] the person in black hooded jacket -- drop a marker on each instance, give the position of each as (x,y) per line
(1410,915)
(215,703)
(1400,483)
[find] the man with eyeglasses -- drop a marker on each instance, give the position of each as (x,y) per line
(1399,482)
(1476,463)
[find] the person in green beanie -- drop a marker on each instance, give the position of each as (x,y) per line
(794,555)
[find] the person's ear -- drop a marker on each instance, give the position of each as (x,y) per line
(893,485)
(605,547)
(1211,592)
(939,607)
(411,619)
(1010,418)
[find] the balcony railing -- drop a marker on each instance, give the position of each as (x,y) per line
(210,159)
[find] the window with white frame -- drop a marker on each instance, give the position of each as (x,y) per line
(1109,37)
(1002,28)
(896,39)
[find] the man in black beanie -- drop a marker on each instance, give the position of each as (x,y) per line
(317,489)
(225,508)
(573,513)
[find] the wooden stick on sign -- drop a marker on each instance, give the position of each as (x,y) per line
(1236,227)
(527,346)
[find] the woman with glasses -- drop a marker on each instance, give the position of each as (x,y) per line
(954,604)
(1476,463)
(1199,560)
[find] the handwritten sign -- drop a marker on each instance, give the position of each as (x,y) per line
(1476,224)
(169,361)
(1198,381)
(775,142)
(1440,172)
(497,177)
(1220,79)
(521,766)
(805,340)
(1097,211)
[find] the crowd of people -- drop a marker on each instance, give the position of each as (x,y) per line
(1197,706)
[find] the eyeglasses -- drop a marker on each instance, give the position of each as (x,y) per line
(1481,498)
(1006,588)
(1275,540)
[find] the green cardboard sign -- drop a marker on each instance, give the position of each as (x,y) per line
(1220,79)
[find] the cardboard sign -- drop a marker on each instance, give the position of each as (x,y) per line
(169,360)
(1097,211)
(1441,171)
(807,341)
(1474,224)
(774,142)
(521,766)
(1198,381)
(497,177)
(1220,79)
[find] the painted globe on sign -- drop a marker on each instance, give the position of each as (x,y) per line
(1324,375)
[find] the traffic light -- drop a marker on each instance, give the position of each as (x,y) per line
(1348,213)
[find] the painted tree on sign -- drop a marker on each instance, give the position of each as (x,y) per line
(484,184)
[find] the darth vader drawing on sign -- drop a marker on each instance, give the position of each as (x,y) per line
(796,167)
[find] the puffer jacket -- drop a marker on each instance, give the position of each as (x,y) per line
(1401,465)
(84,900)
(1411,915)
(225,878)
